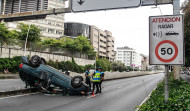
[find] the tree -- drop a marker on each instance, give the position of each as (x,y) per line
(118,66)
(186,10)
(34,33)
(81,44)
(104,63)
(4,35)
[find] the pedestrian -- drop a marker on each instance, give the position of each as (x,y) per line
(96,81)
(101,79)
(88,77)
(67,72)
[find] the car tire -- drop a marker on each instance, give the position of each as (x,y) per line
(76,81)
(35,61)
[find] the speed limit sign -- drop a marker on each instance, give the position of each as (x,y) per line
(166,40)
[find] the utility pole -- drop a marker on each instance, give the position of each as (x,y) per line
(176,11)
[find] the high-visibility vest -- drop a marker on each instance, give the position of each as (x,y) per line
(96,77)
(88,73)
(101,74)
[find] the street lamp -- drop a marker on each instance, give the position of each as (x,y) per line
(26,41)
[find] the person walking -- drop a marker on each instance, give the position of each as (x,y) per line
(88,77)
(101,79)
(96,81)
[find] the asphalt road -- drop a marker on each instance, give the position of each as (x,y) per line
(11,84)
(117,95)
(186,77)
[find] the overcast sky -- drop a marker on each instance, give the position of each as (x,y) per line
(129,27)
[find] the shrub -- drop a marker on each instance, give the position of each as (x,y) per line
(178,98)
(12,64)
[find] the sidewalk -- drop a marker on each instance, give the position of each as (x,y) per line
(11,84)
(9,76)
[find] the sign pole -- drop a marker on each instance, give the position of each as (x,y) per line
(176,10)
(166,85)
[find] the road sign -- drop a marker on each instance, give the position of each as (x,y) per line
(166,40)
(94,5)
(155,2)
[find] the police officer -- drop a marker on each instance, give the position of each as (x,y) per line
(88,77)
(101,79)
(96,81)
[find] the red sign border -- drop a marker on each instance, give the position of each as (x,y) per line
(166,60)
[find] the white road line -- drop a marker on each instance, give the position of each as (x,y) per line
(18,96)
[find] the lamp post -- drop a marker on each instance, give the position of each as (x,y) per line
(26,41)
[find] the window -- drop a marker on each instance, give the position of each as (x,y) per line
(59,32)
(51,30)
(43,29)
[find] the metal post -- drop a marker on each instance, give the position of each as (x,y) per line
(26,41)
(42,4)
(0,6)
(4,7)
(176,11)
(166,85)
(19,8)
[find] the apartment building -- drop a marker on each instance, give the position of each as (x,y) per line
(128,56)
(52,26)
(102,41)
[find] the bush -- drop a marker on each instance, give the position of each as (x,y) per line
(68,65)
(12,64)
(179,98)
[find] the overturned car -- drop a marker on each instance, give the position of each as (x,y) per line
(35,73)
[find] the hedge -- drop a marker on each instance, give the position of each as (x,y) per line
(69,65)
(12,64)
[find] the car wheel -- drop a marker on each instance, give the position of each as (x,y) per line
(35,60)
(76,81)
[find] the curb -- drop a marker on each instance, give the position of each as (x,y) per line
(9,77)
(20,91)
(138,109)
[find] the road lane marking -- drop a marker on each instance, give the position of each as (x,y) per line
(18,96)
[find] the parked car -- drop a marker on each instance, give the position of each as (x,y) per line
(35,73)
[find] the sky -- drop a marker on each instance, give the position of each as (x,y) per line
(129,27)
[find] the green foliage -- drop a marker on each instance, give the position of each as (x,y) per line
(12,64)
(119,66)
(68,65)
(80,44)
(34,33)
(186,10)
(179,97)
(104,63)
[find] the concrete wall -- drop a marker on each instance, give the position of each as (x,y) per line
(117,75)
(46,56)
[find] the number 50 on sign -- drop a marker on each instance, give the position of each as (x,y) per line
(166,40)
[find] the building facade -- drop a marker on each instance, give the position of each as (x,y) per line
(102,41)
(52,26)
(128,56)
(76,29)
